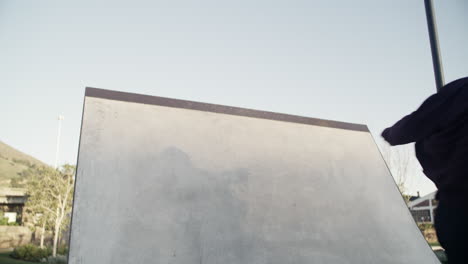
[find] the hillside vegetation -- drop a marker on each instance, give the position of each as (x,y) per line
(15,166)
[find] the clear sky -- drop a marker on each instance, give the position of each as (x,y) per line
(356,61)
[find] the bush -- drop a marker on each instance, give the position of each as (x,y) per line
(59,259)
(3,220)
(49,251)
(62,250)
(30,253)
(425,226)
(36,254)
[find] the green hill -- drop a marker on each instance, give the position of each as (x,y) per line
(14,164)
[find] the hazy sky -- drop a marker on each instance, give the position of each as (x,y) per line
(355,61)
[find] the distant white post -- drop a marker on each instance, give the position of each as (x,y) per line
(60,118)
(431,211)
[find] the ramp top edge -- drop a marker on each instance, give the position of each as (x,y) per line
(221,109)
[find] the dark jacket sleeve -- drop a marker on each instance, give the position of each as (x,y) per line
(423,122)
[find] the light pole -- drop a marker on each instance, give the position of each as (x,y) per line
(60,118)
(434,39)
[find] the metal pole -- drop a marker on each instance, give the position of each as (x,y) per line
(60,118)
(431,211)
(436,59)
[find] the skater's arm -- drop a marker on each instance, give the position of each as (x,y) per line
(421,123)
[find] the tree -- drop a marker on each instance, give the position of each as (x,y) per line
(51,193)
(398,160)
(37,200)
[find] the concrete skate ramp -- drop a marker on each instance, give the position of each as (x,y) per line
(168,181)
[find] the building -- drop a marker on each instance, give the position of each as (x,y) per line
(12,202)
(423,208)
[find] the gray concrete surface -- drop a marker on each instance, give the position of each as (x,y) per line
(158,184)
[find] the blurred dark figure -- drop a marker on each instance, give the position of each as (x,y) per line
(440,129)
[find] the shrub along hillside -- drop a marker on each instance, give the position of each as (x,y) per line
(15,166)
